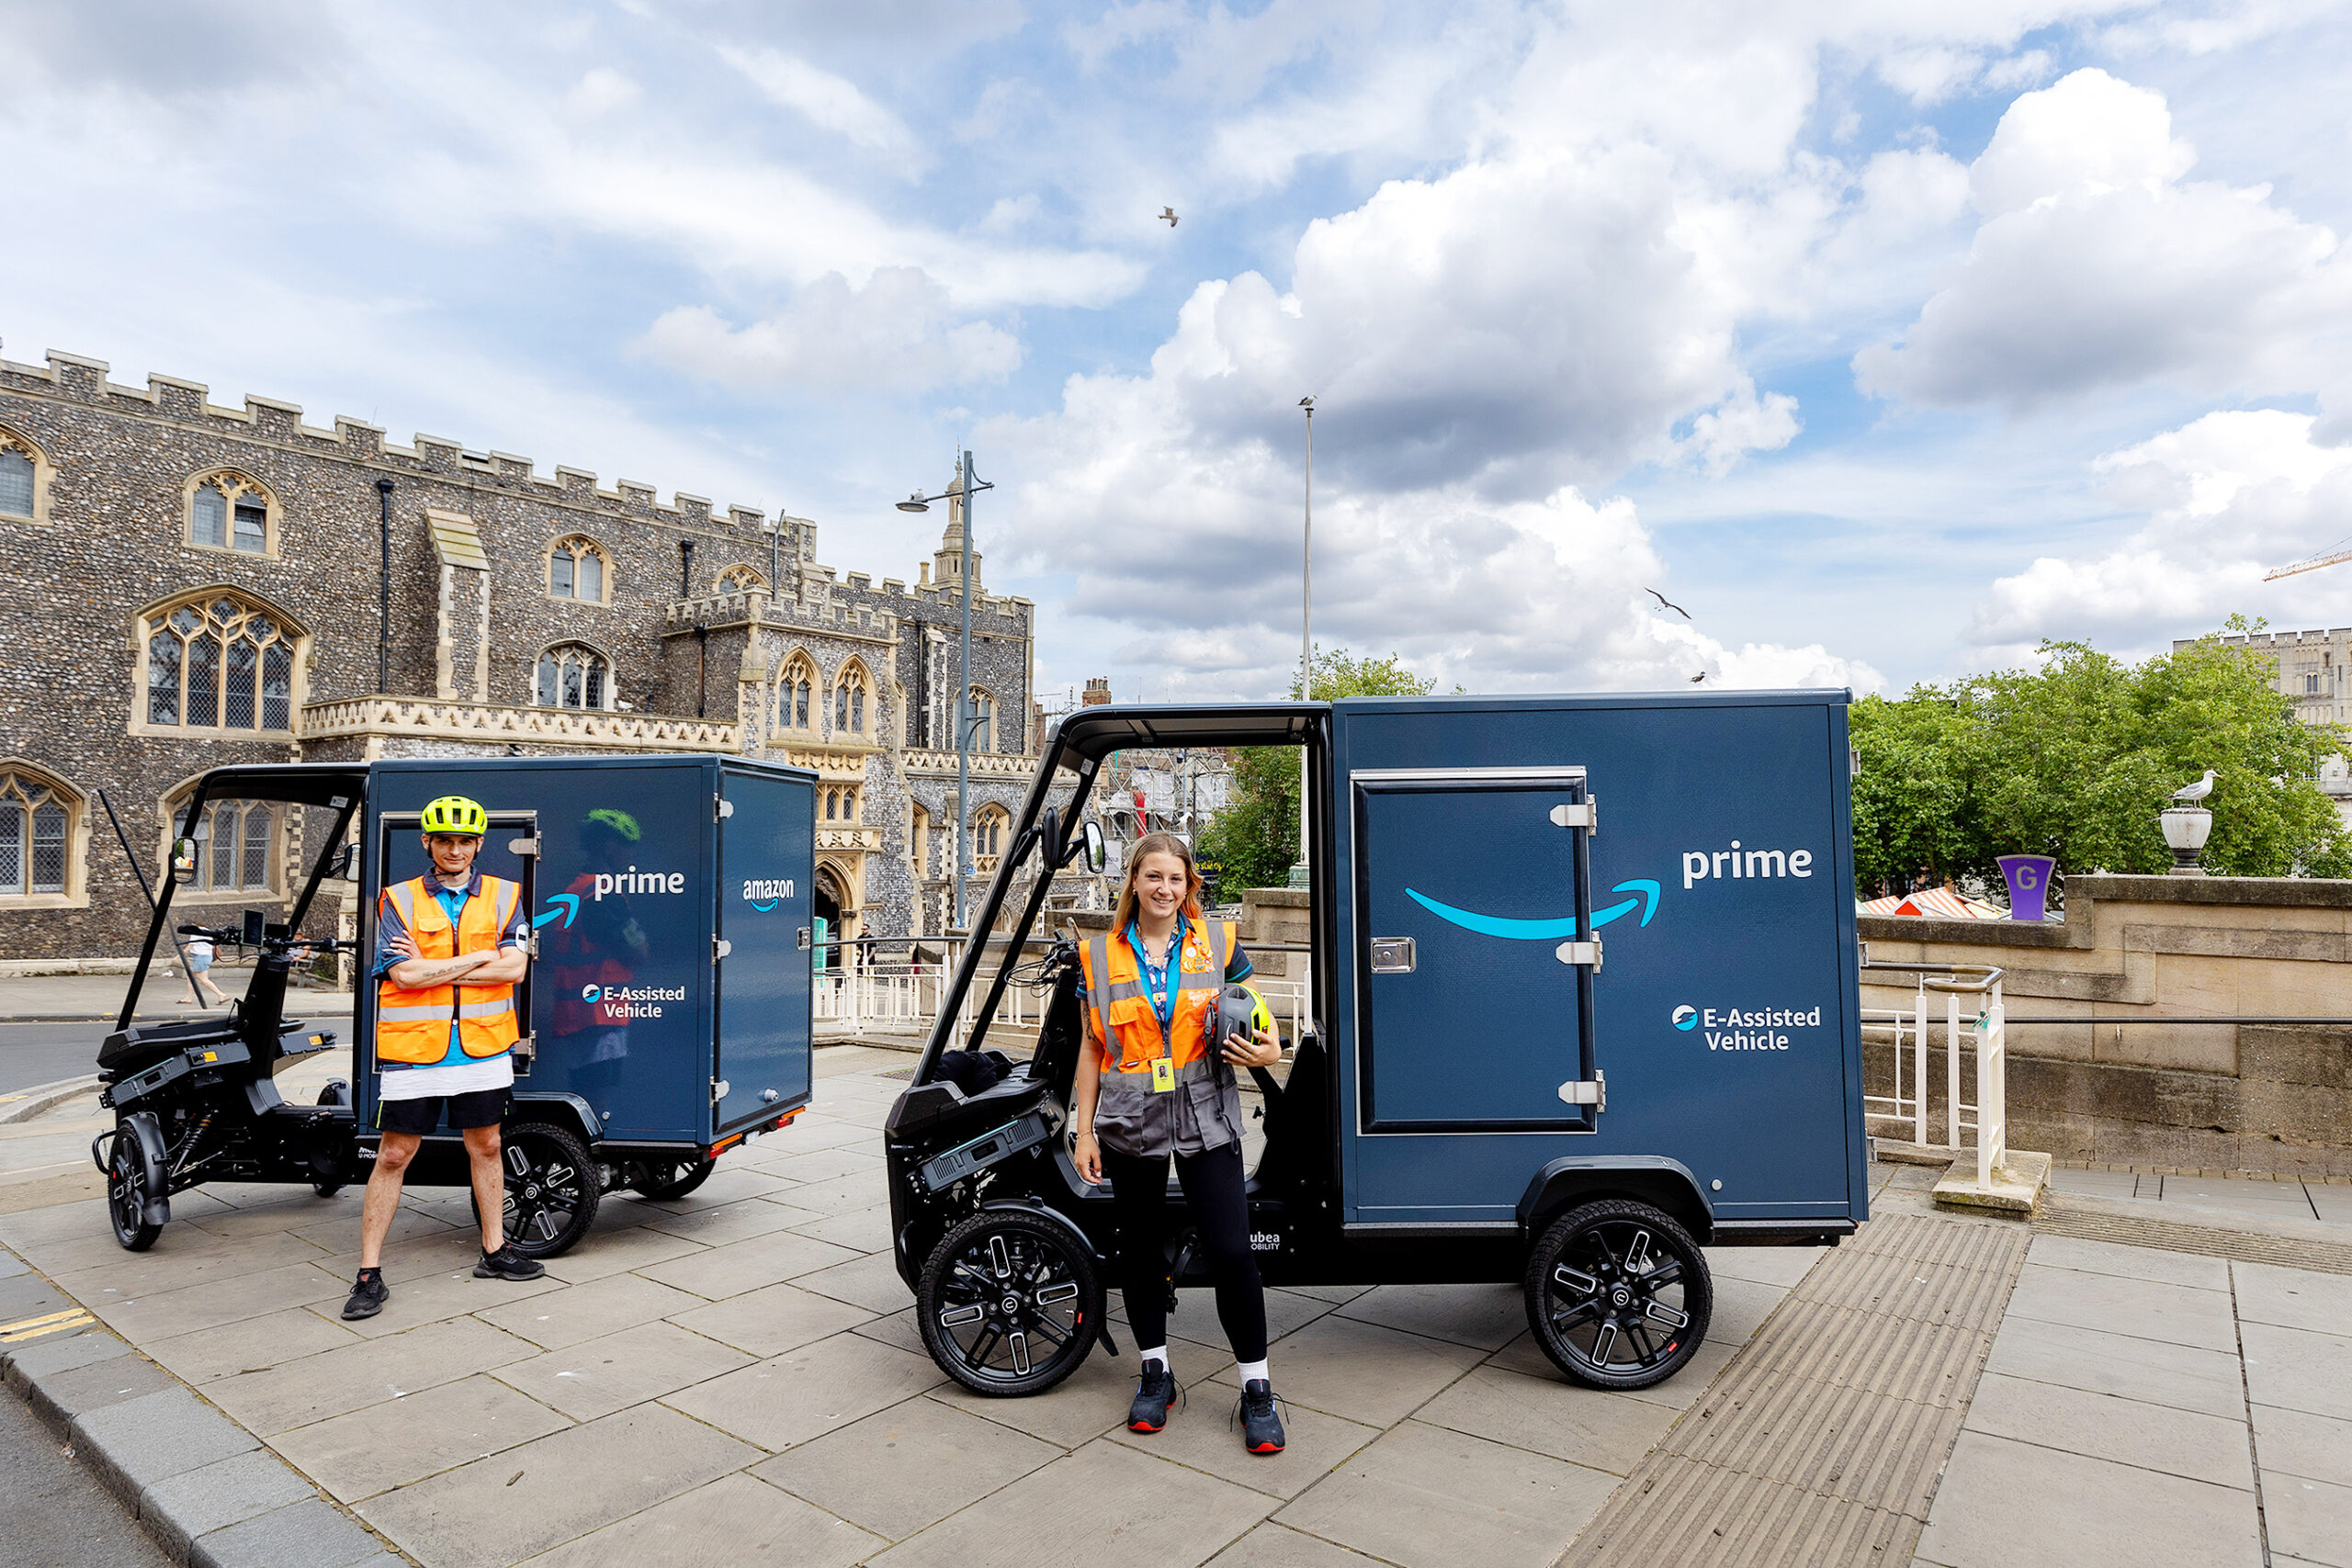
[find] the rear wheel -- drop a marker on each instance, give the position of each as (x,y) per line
(127,1194)
(1010,1304)
(551,1189)
(664,1182)
(326,1169)
(1618,1294)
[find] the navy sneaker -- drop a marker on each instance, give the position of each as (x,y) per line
(1154,1389)
(508,1264)
(367,1296)
(1262,1429)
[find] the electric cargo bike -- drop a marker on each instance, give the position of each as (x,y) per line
(1475,1096)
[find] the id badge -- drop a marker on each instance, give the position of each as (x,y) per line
(1163,1075)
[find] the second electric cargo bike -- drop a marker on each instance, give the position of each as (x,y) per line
(1583,982)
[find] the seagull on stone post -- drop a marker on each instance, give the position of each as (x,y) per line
(2189,794)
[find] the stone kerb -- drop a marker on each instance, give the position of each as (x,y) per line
(2117,1087)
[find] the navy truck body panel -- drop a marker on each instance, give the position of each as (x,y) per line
(634,1016)
(1725,1018)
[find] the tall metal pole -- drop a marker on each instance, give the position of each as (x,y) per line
(1306,631)
(964,714)
(384,590)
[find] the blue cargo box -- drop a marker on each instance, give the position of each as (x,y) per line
(669,1002)
(1711,1020)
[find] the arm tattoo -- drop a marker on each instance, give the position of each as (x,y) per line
(441,972)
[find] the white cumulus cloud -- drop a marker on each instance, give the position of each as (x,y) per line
(898,333)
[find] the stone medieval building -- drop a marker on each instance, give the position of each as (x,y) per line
(189,586)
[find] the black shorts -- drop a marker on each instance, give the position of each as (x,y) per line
(482,1108)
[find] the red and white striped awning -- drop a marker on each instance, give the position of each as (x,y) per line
(1933,904)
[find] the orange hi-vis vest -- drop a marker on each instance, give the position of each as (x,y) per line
(413,1026)
(1137,1110)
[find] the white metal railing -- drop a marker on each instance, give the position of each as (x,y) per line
(1986,1033)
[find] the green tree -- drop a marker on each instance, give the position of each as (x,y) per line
(1255,837)
(2075,758)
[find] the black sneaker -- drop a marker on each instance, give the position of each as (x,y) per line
(367,1296)
(1154,1389)
(508,1264)
(1262,1429)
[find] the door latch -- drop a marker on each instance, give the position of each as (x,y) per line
(529,846)
(718,1088)
(1584,814)
(726,807)
(1392,956)
(806,937)
(1579,953)
(720,948)
(1593,1092)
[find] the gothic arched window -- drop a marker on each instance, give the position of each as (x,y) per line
(849,699)
(579,568)
(229,511)
(574,675)
(39,837)
(222,662)
(795,693)
(24,479)
(983,720)
(236,845)
(737,578)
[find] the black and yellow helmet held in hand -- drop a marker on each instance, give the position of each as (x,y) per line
(1238,1009)
(456,814)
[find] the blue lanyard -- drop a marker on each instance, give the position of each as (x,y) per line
(1164,1004)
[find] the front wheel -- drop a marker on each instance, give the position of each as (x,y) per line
(1009,1302)
(127,1194)
(551,1189)
(1618,1294)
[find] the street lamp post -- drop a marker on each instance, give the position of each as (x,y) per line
(1306,636)
(967,486)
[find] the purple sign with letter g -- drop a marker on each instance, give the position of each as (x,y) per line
(2029,879)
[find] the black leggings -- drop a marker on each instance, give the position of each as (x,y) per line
(1213,1189)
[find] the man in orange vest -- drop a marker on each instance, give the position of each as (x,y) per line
(449,948)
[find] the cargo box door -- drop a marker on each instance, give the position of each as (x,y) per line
(1475,951)
(762,995)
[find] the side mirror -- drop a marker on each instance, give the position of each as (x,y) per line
(183,859)
(1097,856)
(255,928)
(343,867)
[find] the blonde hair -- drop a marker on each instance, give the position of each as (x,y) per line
(1156,844)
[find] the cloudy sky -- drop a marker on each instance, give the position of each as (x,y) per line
(1886,337)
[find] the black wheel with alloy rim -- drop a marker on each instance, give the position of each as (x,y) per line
(551,1189)
(1009,1302)
(663,1182)
(127,1194)
(1618,1294)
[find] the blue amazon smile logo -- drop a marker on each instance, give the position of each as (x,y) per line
(1643,889)
(570,910)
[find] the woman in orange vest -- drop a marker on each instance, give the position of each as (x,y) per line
(1152,1086)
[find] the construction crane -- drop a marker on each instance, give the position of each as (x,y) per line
(2341,553)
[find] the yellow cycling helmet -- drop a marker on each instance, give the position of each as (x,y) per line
(456,814)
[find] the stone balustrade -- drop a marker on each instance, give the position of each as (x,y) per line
(421,719)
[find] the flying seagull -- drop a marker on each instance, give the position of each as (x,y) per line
(2189,794)
(1667,603)
(1168,216)
(1699,677)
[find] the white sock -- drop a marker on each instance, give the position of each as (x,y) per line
(1160,1355)
(1253,1371)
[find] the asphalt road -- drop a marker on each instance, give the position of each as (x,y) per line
(58,1516)
(43,1052)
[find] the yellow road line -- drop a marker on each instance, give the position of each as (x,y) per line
(30,1322)
(65,1321)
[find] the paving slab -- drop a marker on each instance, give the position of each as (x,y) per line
(2294,1368)
(1279,1546)
(352,1377)
(500,1510)
(2182,1376)
(2274,1200)
(733,1519)
(1525,1356)
(251,1344)
(589,1312)
(2154,1437)
(1427,1497)
(863,1230)
(134,1445)
(838,1196)
(2011,1505)
(406,1439)
(2309,1521)
(899,1328)
(2296,1298)
(903,1470)
(58,1397)
(730,1184)
(620,1250)
(1486,1317)
(152,1273)
(208,1305)
(309,1534)
(196,1503)
(2295,1442)
(27,1296)
(806,1393)
(1208,1436)
(1587,1427)
(1740,1308)
(2177,1314)
(1159,1515)
(2096,1183)
(829,1163)
(1362,1372)
(435,1297)
(771,1321)
(1781,1266)
(870,1281)
(59,1352)
(715,1273)
(1091,1401)
(1332,1293)
(2128,1262)
(716,1225)
(597,1377)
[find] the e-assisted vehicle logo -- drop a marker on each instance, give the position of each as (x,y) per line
(1745,1028)
(621,1003)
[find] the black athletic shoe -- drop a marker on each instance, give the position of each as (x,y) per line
(1154,1389)
(1262,1429)
(367,1294)
(508,1264)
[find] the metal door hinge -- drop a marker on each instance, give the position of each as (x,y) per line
(529,846)
(720,948)
(726,807)
(718,1088)
(1584,814)
(535,943)
(806,937)
(1593,1092)
(1579,953)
